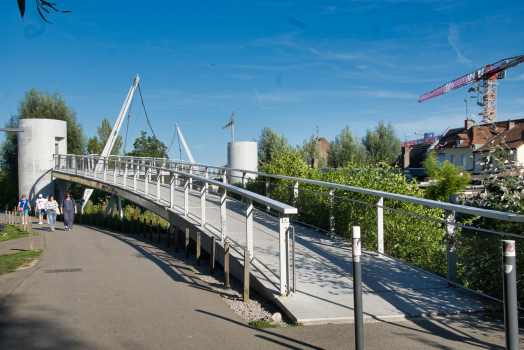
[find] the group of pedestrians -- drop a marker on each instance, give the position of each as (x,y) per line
(49,206)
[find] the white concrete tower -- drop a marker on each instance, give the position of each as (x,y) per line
(241,155)
(36,145)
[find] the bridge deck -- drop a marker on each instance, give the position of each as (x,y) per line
(391,289)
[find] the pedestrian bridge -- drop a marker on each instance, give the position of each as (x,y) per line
(310,276)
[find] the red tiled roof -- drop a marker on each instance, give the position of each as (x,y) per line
(513,137)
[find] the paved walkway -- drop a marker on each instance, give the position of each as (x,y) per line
(392,290)
(132,295)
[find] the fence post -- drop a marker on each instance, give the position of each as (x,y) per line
(267,192)
(146,179)
(145,229)
(331,210)
(380,226)
(198,243)
(125,174)
(357,289)
(168,231)
(202,205)
(105,168)
(511,316)
(451,249)
(158,231)
(135,176)
(247,266)
(212,256)
(187,243)
(249,225)
(186,196)
(226,265)
(283,224)
(176,234)
(295,193)
(150,230)
(158,180)
(223,216)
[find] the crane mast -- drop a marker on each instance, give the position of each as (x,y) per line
(489,75)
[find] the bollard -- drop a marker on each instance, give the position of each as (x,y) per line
(187,243)
(145,228)
(357,289)
(247,265)
(509,273)
(168,230)
(212,256)
(31,246)
(151,230)
(226,265)
(158,231)
(176,234)
(198,242)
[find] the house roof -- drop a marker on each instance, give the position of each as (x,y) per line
(514,138)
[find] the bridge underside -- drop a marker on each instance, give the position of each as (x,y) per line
(391,290)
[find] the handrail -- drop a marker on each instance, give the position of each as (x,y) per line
(280,207)
(493,214)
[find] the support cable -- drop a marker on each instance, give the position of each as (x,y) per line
(143,105)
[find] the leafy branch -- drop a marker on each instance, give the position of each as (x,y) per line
(40,5)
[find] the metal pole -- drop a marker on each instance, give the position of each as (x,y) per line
(357,289)
(511,316)
(380,226)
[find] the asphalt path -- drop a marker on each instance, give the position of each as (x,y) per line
(130,294)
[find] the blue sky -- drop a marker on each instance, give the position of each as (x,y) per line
(291,65)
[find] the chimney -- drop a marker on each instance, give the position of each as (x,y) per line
(467,124)
(511,124)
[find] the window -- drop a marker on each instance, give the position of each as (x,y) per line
(452,159)
(463,160)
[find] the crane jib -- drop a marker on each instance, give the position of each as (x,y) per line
(477,75)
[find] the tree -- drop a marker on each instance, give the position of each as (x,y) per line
(95,145)
(36,104)
(382,144)
(346,148)
(311,149)
(449,178)
(148,147)
(270,144)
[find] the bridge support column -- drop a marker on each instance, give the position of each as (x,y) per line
(120,213)
(380,226)
(451,248)
(283,224)
(111,205)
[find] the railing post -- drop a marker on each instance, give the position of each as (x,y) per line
(243,179)
(206,175)
(125,174)
(186,196)
(331,210)
(171,189)
(451,249)
(114,172)
(295,193)
(135,175)
(86,164)
(203,205)
(146,180)
(190,179)
(223,233)
(105,168)
(158,179)
(67,163)
(380,225)
(509,282)
(267,192)
(283,224)
(76,164)
(249,226)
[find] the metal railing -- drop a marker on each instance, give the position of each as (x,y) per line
(446,244)
(162,182)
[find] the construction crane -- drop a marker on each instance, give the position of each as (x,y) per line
(191,160)
(489,75)
(232,124)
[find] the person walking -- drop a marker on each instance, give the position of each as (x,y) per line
(40,208)
(51,207)
(24,207)
(68,209)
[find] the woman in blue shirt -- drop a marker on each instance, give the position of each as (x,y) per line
(24,207)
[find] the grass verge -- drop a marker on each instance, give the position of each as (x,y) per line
(13,232)
(11,262)
(265,324)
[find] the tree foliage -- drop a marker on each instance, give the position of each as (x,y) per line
(147,146)
(40,5)
(382,144)
(448,179)
(346,149)
(311,149)
(270,144)
(96,144)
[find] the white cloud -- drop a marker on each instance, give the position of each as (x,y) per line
(454,40)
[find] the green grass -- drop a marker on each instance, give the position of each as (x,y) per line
(265,324)
(10,262)
(13,232)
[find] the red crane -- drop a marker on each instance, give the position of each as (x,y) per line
(489,75)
